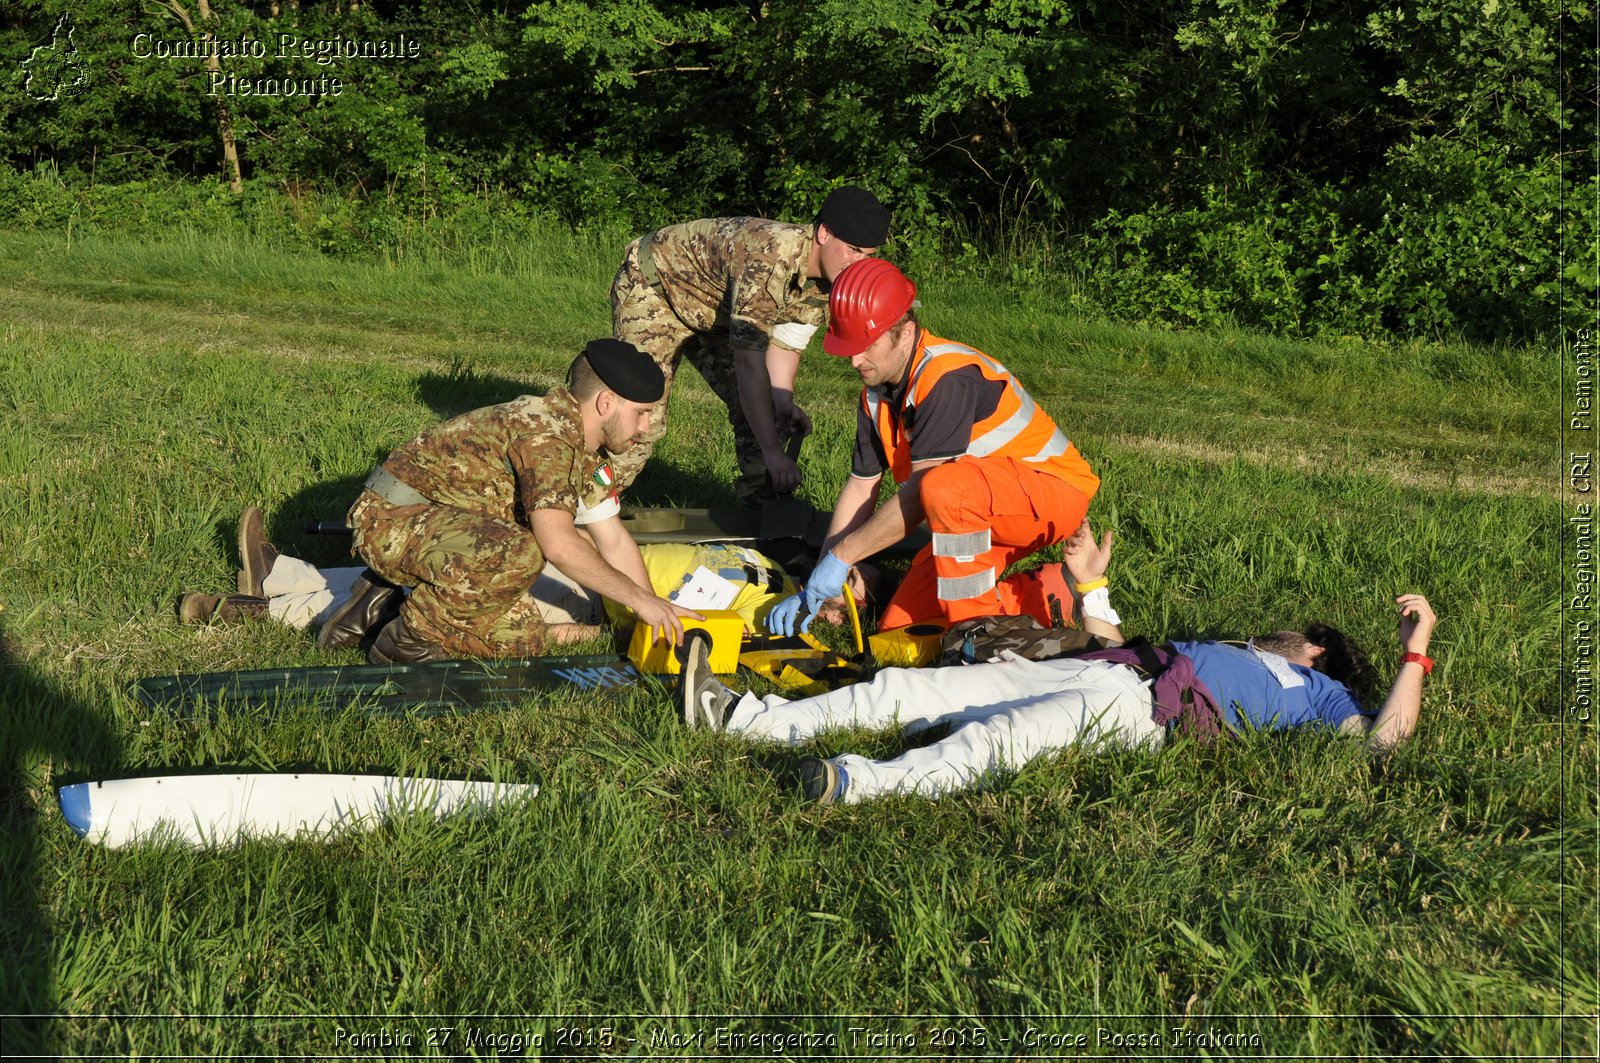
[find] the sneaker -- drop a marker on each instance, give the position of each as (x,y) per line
(823,781)
(702,699)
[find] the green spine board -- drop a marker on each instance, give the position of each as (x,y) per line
(434,688)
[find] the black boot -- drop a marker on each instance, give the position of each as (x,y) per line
(396,644)
(198,608)
(374,601)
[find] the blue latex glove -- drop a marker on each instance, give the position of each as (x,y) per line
(780,620)
(827,581)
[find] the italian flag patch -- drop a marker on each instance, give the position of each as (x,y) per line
(602,475)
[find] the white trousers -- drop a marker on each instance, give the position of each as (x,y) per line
(302,595)
(1004,714)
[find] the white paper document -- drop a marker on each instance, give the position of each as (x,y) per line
(703,589)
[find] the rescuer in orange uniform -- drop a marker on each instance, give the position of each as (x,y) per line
(974,456)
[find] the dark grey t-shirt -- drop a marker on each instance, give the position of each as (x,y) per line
(941,427)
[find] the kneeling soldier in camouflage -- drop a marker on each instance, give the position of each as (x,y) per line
(467,514)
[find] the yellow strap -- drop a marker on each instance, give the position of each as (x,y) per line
(855,620)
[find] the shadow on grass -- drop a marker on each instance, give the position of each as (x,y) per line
(667,484)
(462,388)
(783,765)
(40,724)
(293,527)
(449,394)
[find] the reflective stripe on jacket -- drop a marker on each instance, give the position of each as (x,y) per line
(1018,428)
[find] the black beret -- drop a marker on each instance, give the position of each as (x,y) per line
(855,216)
(626,370)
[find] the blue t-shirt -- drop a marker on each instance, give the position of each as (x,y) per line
(1246,688)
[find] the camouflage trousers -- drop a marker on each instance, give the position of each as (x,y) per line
(469,575)
(641,315)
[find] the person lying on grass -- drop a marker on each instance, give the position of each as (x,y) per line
(350,604)
(1005,713)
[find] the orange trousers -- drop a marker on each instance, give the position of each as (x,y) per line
(985,514)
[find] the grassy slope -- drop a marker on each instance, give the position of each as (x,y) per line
(150,391)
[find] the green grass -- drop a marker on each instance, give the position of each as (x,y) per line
(1441,903)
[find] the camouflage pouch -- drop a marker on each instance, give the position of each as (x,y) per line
(983,637)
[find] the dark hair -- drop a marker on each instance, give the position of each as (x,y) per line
(1343,660)
(908,318)
(582,380)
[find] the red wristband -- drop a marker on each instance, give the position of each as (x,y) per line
(1419,658)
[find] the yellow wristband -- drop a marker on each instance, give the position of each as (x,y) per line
(1092,585)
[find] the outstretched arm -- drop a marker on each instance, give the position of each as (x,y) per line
(857,501)
(1086,563)
(853,511)
(1398,716)
(900,515)
(600,559)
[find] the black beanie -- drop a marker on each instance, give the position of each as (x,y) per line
(855,216)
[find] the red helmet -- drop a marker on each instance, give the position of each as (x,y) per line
(867,298)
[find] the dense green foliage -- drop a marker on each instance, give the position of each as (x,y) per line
(1358,168)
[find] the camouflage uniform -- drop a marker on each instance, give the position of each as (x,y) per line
(467,549)
(704,289)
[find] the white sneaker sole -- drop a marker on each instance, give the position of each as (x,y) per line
(696,667)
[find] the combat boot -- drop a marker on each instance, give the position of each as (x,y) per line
(256,555)
(373,602)
(397,644)
(198,608)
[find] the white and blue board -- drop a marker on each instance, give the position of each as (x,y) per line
(224,808)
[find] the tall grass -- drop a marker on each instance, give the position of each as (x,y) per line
(665,883)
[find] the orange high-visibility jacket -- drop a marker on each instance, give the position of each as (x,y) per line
(1019,428)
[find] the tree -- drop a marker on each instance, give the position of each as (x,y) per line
(213,65)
